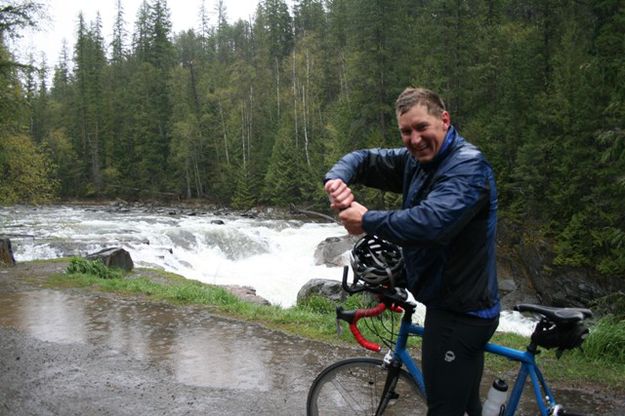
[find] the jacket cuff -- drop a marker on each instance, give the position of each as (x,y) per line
(370,221)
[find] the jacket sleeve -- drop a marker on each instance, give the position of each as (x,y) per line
(376,168)
(456,197)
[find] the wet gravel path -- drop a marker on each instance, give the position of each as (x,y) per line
(74,352)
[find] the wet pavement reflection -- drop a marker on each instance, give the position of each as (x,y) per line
(200,349)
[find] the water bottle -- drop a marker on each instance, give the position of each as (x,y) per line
(495,404)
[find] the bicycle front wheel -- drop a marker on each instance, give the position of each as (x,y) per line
(354,387)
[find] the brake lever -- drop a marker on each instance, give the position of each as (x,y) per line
(339,327)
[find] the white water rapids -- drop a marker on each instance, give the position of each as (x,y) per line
(275,257)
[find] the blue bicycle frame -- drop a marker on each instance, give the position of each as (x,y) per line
(527,360)
(528,367)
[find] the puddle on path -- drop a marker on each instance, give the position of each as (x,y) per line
(200,349)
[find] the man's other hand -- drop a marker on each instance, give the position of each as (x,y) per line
(341,196)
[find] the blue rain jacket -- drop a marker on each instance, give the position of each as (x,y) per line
(446,225)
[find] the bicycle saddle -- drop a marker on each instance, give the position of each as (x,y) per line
(557,315)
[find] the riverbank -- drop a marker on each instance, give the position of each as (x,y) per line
(274,256)
(199,207)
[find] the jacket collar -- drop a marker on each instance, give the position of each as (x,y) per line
(450,139)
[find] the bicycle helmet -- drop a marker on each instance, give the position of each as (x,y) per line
(376,261)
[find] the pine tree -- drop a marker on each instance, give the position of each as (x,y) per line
(287,167)
(150,127)
(90,60)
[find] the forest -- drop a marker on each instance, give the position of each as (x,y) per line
(252,113)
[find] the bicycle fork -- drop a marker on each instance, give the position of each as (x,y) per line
(392,376)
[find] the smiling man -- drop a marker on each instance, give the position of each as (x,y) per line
(446,227)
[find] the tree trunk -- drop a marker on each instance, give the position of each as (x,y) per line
(295,103)
(6,252)
(223,126)
(95,159)
(196,100)
(243,152)
(187,179)
(199,189)
(305,125)
(278,89)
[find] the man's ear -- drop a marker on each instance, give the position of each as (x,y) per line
(446,118)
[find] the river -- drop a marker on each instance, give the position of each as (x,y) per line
(274,256)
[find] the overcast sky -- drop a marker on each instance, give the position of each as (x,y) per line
(63,18)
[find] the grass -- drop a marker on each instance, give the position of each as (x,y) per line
(601,362)
(310,320)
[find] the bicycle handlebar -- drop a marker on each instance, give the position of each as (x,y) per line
(352,318)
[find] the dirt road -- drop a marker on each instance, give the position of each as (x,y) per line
(74,352)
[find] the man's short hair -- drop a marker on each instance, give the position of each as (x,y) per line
(419,96)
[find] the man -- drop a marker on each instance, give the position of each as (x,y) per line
(446,227)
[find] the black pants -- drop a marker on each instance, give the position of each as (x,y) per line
(453,361)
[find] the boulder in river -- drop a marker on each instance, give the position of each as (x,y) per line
(331,251)
(329,289)
(247,294)
(113,257)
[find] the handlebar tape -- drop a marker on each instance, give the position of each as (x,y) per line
(353,317)
(371,346)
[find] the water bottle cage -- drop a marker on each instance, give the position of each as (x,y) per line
(556,410)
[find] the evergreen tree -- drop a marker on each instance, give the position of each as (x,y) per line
(40,107)
(152,60)
(25,169)
(287,168)
(90,60)
(243,197)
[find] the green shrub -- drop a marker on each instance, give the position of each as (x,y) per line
(317,304)
(606,341)
(95,268)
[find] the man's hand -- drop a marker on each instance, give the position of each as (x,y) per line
(406,296)
(341,196)
(351,218)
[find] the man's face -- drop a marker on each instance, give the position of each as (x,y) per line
(422,133)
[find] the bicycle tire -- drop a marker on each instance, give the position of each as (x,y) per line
(354,386)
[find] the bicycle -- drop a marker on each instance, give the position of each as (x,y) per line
(394,385)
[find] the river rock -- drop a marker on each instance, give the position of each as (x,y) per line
(331,250)
(6,252)
(247,294)
(113,257)
(506,286)
(329,289)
